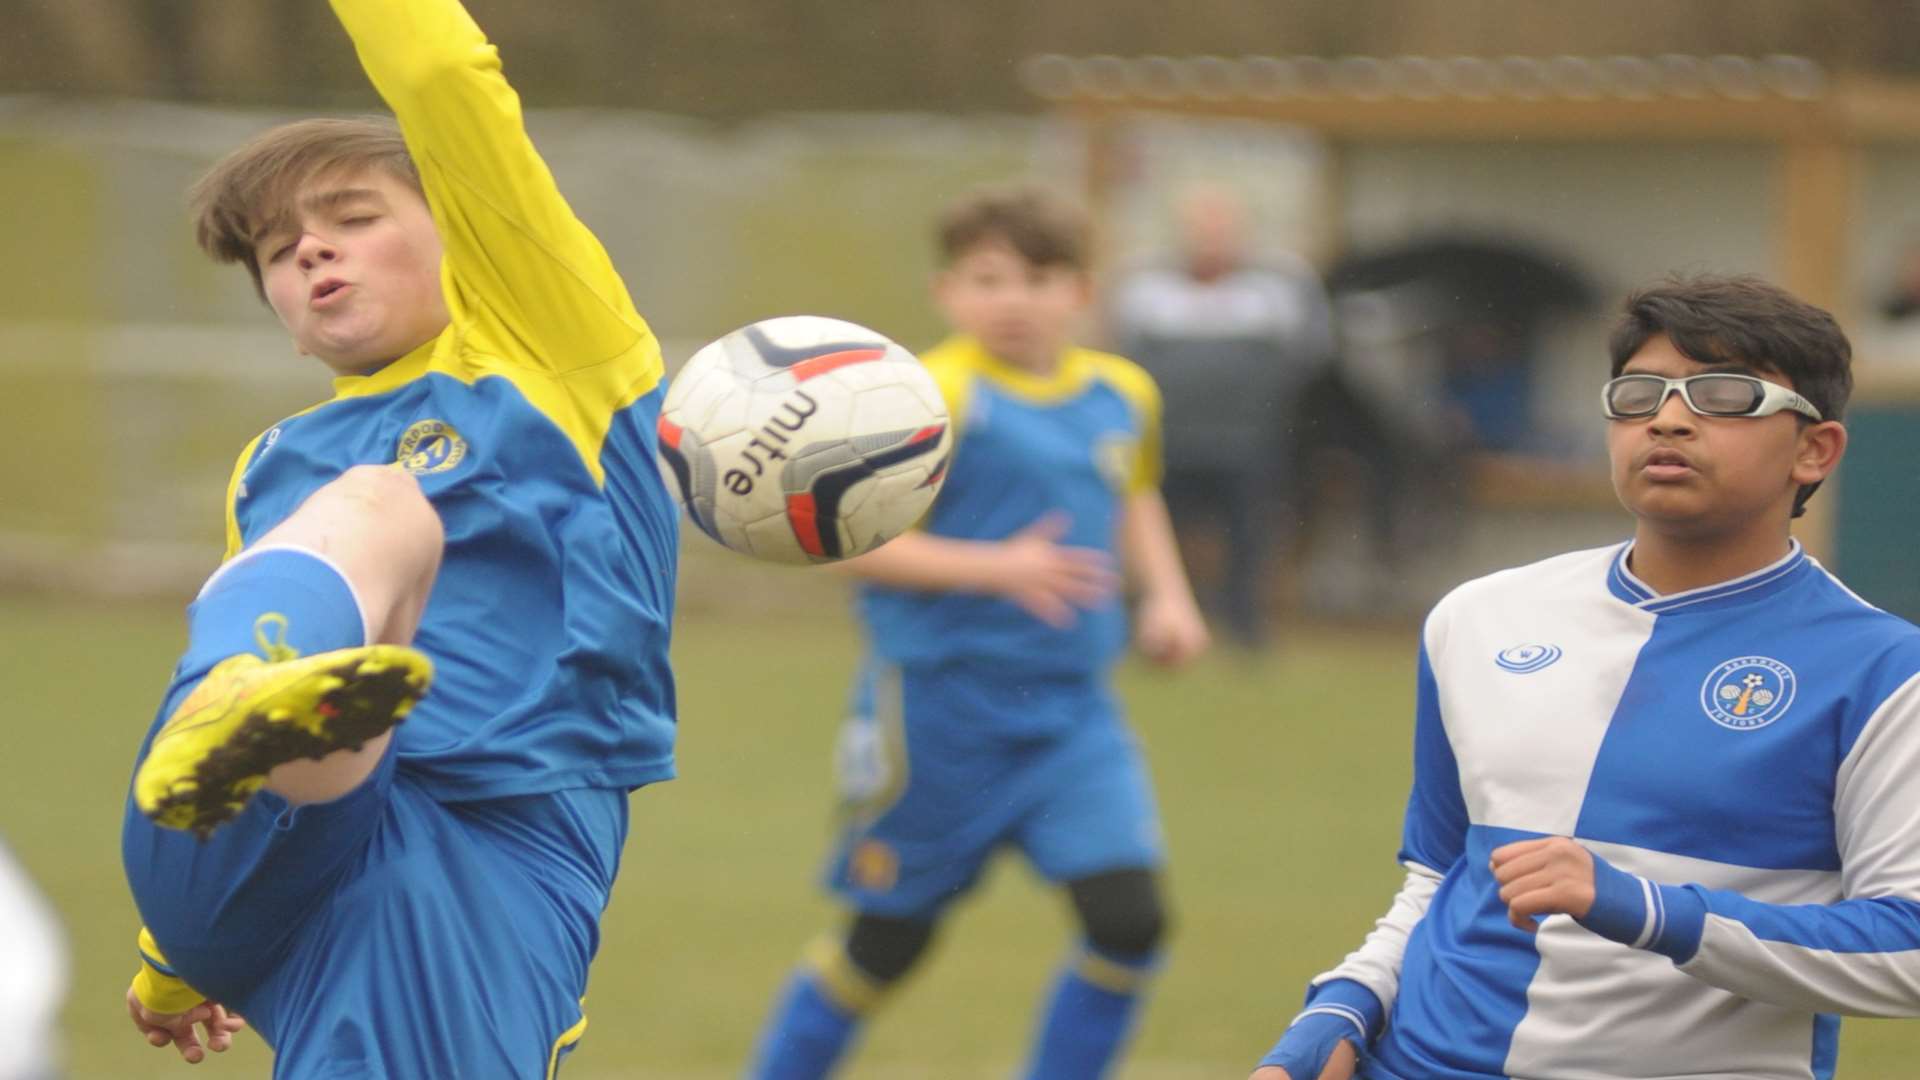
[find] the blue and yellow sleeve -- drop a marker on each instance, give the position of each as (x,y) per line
(520,267)
(954,377)
(156,984)
(1132,383)
(234,540)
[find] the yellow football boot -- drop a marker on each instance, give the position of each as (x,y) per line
(251,714)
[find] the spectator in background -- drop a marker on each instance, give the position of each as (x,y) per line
(1901,301)
(33,978)
(1231,344)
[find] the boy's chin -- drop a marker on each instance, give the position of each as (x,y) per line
(1689,519)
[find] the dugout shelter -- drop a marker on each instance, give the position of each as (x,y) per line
(1834,152)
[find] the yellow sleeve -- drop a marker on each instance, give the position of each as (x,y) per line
(234,539)
(1134,384)
(520,268)
(954,376)
(155,984)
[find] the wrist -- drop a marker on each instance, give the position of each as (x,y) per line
(1624,908)
(155,984)
(1338,1010)
(162,993)
(1354,1001)
(1667,919)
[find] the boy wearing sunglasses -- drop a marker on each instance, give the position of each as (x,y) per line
(1662,822)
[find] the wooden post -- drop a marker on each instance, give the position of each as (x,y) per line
(1816,196)
(1104,166)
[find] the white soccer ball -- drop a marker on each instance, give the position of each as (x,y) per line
(804,439)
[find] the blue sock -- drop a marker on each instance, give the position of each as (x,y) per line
(260,602)
(805,1036)
(1095,1003)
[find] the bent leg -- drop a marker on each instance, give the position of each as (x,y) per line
(376,526)
(1096,999)
(927,803)
(352,566)
(1098,835)
(227,909)
(838,983)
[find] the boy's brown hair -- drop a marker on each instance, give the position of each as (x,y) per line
(250,191)
(1044,228)
(1746,321)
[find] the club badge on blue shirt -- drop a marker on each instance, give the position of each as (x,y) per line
(1748,692)
(430,446)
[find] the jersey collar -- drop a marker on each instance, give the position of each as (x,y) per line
(1757,585)
(1068,378)
(396,374)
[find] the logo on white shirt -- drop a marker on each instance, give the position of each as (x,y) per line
(1527,659)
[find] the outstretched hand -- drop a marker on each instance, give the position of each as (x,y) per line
(178,1029)
(1050,580)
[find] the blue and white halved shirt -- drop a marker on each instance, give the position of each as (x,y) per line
(1753,745)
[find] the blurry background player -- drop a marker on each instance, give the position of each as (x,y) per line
(421,901)
(33,977)
(1663,818)
(984,715)
(1231,344)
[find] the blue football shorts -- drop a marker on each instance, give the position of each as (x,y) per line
(936,775)
(387,934)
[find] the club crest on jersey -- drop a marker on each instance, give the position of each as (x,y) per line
(1113,455)
(430,446)
(1526,659)
(1747,693)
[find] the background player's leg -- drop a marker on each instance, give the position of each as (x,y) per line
(836,986)
(1097,833)
(1097,997)
(352,565)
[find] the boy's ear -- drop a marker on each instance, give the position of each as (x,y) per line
(1821,447)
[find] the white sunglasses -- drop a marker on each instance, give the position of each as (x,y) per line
(1718,393)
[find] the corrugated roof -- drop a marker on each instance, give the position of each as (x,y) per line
(1149,79)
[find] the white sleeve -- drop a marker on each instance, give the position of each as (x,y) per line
(1376,963)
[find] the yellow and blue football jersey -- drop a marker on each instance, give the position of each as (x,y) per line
(530,424)
(1077,442)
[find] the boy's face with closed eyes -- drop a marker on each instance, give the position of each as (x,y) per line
(352,268)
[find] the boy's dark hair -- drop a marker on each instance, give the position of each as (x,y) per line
(251,190)
(1743,320)
(1044,228)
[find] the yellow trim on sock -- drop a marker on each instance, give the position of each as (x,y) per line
(1108,975)
(847,986)
(567,1038)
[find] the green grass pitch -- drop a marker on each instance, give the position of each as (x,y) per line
(1281,779)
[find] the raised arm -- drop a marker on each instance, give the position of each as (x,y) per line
(519,264)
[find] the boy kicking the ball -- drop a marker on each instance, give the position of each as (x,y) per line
(1663,821)
(476,509)
(983,716)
